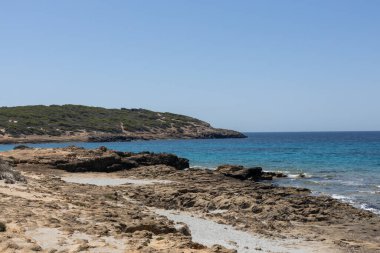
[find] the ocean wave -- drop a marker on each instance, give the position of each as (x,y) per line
(342,182)
(315,182)
(342,198)
(351,201)
(351,183)
(370,192)
(299,175)
(369,208)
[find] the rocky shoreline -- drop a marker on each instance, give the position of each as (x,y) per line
(120,218)
(104,137)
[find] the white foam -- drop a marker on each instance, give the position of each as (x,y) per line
(371,209)
(342,198)
(299,175)
(350,201)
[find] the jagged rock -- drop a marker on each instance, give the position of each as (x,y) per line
(76,159)
(9,174)
(240,172)
(110,138)
(273,175)
(98,164)
(221,135)
(150,226)
(184,229)
(146,159)
(22,147)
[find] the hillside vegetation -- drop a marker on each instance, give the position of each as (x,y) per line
(58,120)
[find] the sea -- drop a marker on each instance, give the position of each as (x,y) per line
(344,165)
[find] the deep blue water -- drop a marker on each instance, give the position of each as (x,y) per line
(345,165)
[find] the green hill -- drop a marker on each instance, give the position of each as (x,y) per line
(86,121)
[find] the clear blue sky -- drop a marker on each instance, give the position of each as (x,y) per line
(295,65)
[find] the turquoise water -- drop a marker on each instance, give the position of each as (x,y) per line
(345,165)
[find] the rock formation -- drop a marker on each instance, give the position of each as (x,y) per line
(10,175)
(121,218)
(242,173)
(76,159)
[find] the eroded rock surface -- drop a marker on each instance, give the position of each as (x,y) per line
(9,174)
(242,173)
(76,159)
(93,217)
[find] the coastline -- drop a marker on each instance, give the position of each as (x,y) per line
(258,208)
(35,139)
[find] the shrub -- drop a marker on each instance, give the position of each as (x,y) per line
(45,120)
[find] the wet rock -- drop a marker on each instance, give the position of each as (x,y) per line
(110,138)
(240,172)
(221,135)
(146,159)
(271,175)
(22,147)
(103,148)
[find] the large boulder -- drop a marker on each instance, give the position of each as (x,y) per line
(109,163)
(102,159)
(9,174)
(146,159)
(22,147)
(240,172)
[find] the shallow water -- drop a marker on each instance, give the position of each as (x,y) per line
(345,165)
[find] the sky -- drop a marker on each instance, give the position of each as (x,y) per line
(268,65)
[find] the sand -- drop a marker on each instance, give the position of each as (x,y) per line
(107,181)
(208,232)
